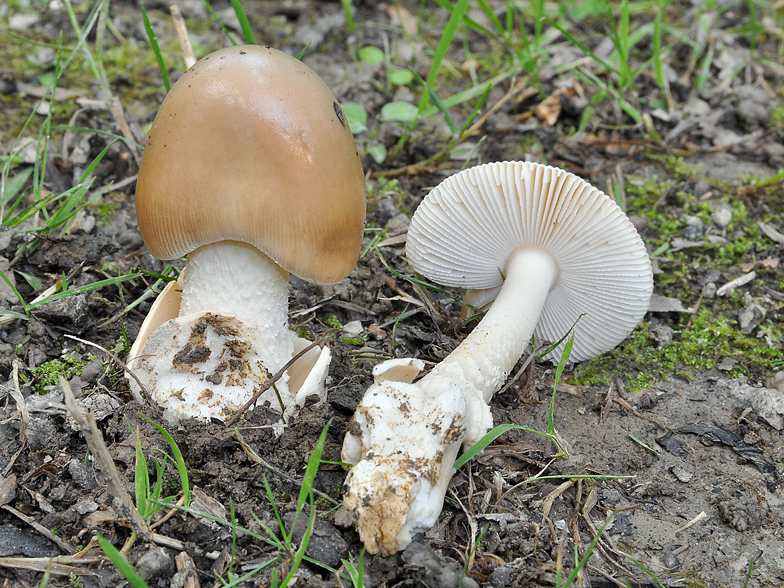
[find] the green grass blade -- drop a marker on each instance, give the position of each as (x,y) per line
(584,48)
(247,31)
(312,469)
(450,30)
(441,107)
(348,9)
(156,49)
(640,565)
(12,187)
(469,21)
(491,436)
(141,478)
(11,285)
(13,313)
(482,99)
(303,544)
(119,562)
(85,288)
(179,462)
(567,351)
(226,31)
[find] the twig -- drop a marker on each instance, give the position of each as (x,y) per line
(515,88)
(119,362)
(16,393)
(277,377)
(61,543)
(628,406)
(695,520)
(101,454)
(182,35)
(62,566)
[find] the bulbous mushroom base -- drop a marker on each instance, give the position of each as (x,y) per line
(206,365)
(404,443)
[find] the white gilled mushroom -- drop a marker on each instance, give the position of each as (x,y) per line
(552,247)
(250,170)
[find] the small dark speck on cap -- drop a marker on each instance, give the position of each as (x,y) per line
(243,53)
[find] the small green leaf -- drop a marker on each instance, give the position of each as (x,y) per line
(399,112)
(378,153)
(31,280)
(371,55)
(401,77)
(356,117)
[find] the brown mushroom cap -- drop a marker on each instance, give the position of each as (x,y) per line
(251,145)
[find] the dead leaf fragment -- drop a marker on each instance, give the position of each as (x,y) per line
(7,489)
(400,16)
(549,109)
(771,233)
(667,304)
(736,283)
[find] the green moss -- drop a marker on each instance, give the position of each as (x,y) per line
(700,342)
(332,322)
(359,341)
(48,373)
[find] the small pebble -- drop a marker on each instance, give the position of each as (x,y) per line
(662,334)
(670,561)
(776,382)
(727,363)
(750,317)
(722,217)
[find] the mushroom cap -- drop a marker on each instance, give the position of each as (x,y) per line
(251,145)
(464,231)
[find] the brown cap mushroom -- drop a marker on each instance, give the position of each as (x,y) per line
(251,145)
(251,170)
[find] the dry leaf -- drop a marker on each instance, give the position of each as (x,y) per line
(549,109)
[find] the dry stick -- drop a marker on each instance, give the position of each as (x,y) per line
(59,565)
(513,89)
(182,35)
(101,454)
(277,377)
(61,543)
(116,110)
(119,362)
(169,514)
(16,393)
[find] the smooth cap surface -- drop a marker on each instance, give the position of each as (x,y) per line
(251,145)
(466,228)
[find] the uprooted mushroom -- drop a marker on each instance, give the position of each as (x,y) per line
(252,172)
(544,247)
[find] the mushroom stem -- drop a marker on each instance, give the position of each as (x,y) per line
(481,363)
(230,277)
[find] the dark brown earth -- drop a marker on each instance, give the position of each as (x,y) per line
(695,453)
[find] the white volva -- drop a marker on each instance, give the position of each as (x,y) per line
(231,335)
(553,248)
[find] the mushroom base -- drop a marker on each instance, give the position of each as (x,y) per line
(404,443)
(205,365)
